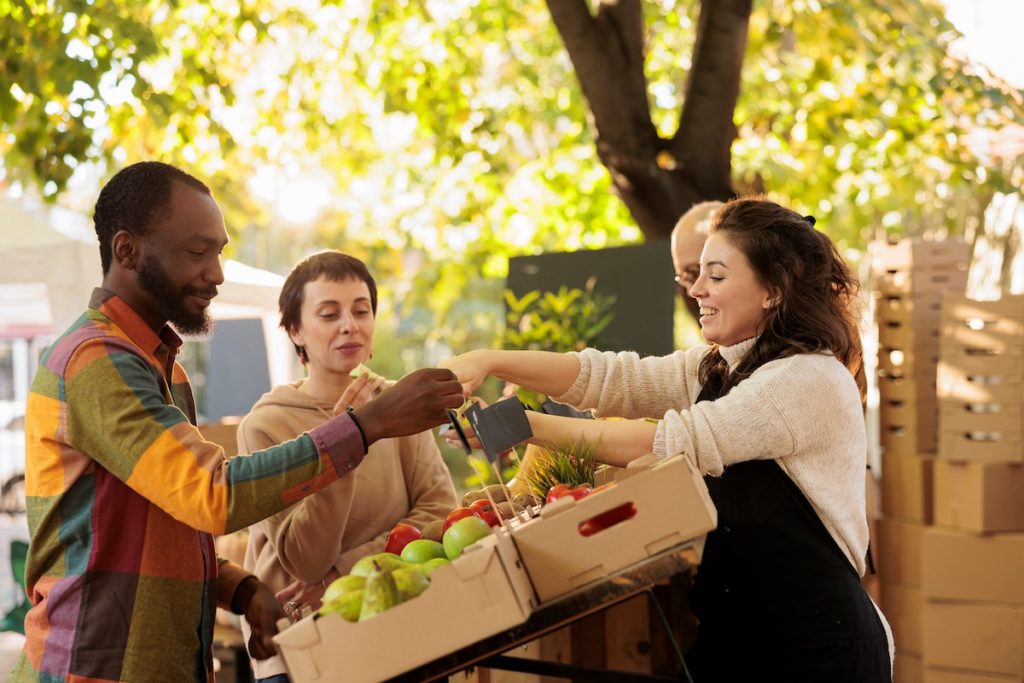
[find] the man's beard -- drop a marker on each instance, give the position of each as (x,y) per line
(170,302)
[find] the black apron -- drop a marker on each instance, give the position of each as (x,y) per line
(776,598)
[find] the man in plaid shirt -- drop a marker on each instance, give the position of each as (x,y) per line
(124,495)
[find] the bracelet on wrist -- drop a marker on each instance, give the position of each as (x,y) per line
(352,414)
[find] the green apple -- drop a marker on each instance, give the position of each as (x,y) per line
(463,533)
(386,561)
(430,565)
(422,550)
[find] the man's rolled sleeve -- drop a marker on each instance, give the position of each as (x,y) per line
(341,440)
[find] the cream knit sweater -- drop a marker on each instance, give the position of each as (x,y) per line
(803,411)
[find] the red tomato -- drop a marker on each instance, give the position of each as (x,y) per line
(400,536)
(457,514)
(559,490)
(485,511)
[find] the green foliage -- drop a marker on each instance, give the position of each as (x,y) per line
(454,134)
(870,120)
(567,320)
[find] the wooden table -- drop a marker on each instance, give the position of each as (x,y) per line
(553,615)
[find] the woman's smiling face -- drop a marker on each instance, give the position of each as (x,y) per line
(733,302)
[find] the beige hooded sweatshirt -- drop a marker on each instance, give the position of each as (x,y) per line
(400,480)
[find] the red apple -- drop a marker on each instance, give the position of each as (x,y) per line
(559,490)
(400,536)
(457,514)
(485,511)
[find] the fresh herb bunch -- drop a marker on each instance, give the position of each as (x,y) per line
(570,463)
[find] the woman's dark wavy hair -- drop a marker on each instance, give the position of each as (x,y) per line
(815,288)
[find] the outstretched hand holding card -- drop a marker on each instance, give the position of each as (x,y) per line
(498,427)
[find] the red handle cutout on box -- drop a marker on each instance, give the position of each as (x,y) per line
(607,519)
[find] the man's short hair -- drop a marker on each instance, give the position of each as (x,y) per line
(133,199)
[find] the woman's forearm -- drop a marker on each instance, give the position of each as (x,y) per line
(549,373)
(616,442)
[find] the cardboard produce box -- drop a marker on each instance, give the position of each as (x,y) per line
(989,416)
(668,503)
(994,385)
(1002,358)
(903,607)
(899,552)
(960,566)
(919,362)
(906,486)
(479,594)
(906,440)
(907,668)
(897,412)
(979,445)
(933,281)
(909,334)
(983,324)
(978,497)
(919,308)
(936,674)
(902,388)
(987,638)
(920,254)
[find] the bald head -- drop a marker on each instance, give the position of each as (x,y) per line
(687,243)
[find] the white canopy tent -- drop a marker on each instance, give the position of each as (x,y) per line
(51,263)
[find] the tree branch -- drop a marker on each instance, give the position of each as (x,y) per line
(607,54)
(706,130)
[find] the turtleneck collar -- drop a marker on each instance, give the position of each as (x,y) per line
(735,353)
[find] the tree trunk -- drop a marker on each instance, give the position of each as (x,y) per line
(658,179)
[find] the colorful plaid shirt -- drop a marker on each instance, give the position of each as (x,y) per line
(124,496)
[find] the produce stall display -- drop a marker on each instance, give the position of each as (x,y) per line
(494,577)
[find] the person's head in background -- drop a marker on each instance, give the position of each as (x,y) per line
(687,243)
(328,307)
(802,290)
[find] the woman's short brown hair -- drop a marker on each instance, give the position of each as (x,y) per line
(330,264)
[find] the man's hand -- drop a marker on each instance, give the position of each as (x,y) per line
(415,403)
(262,612)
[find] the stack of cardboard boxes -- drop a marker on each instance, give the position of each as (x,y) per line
(972,563)
(911,278)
